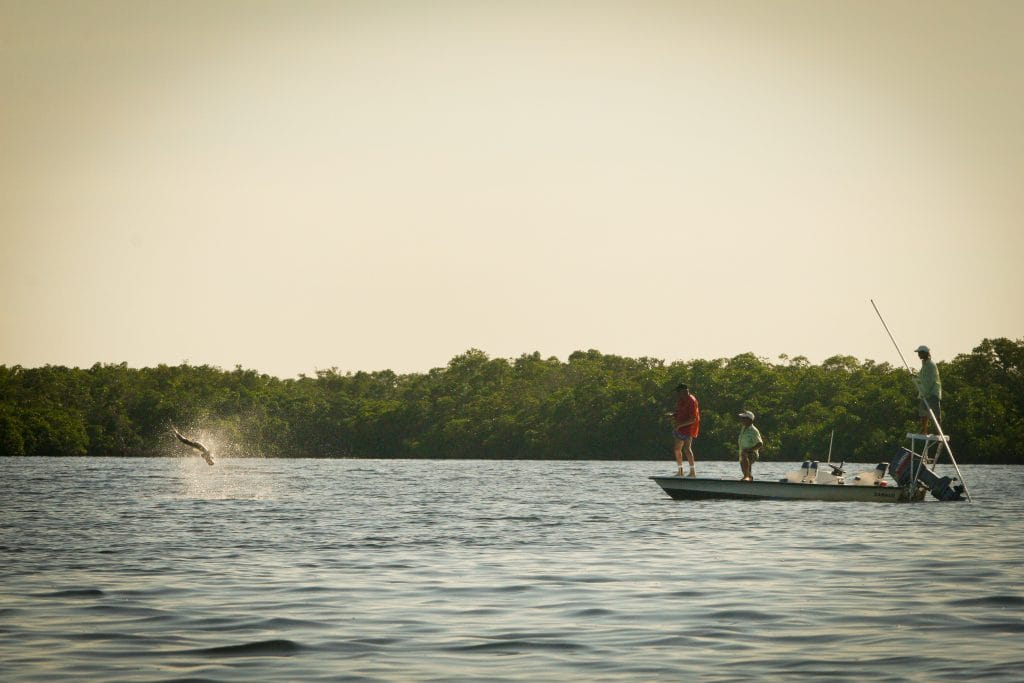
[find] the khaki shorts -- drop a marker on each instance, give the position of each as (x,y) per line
(934,403)
(751,454)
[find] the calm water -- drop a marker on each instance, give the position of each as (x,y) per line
(166,569)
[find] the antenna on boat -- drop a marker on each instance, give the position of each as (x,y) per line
(830,437)
(931,413)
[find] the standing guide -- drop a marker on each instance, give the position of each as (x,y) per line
(930,388)
(686,426)
(750,444)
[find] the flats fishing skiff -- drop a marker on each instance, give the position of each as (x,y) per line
(911,476)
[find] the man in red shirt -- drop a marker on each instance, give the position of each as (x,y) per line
(686,426)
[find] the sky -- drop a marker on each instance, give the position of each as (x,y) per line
(298,186)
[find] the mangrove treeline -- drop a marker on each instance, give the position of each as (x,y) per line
(591,406)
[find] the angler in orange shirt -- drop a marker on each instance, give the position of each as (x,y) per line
(686,426)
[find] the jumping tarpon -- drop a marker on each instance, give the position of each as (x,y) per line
(196,445)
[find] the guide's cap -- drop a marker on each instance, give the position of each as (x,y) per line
(922,349)
(747,414)
(682,387)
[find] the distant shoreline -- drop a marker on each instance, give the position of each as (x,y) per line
(590,407)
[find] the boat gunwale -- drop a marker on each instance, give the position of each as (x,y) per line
(755,490)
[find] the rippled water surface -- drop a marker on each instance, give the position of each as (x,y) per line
(167,569)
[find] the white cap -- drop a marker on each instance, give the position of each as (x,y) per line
(747,414)
(922,348)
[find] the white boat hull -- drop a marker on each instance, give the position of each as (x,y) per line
(688,488)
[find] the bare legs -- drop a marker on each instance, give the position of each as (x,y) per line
(747,465)
(686,446)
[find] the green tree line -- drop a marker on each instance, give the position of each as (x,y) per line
(591,406)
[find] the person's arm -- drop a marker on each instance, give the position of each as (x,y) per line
(758,443)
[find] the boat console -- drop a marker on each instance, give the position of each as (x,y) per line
(812,472)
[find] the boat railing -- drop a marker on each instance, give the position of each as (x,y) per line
(932,446)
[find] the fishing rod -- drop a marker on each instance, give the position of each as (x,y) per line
(931,413)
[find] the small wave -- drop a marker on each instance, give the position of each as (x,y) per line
(114,637)
(286,623)
(306,589)
(999,627)
(514,588)
(359,646)
(990,601)
(73,593)
(279,647)
(231,624)
(742,615)
(517,646)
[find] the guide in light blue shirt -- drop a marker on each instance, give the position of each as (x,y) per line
(930,387)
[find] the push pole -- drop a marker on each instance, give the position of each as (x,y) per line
(931,412)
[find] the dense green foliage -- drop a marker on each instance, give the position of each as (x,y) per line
(591,406)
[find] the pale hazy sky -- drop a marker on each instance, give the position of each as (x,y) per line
(292,186)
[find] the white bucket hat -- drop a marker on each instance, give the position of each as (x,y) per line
(747,414)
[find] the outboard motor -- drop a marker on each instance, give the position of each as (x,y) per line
(942,488)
